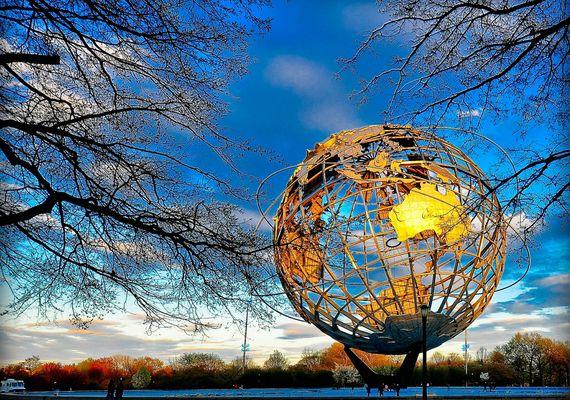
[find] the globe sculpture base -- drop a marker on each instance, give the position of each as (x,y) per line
(400,333)
(375,380)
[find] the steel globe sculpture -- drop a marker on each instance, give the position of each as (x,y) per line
(378,221)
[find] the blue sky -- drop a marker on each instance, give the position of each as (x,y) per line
(291,99)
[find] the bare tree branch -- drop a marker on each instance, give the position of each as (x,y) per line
(100,204)
(470,60)
(8,58)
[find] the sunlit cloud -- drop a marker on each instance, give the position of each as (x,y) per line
(298,330)
(502,318)
(536,329)
(554,280)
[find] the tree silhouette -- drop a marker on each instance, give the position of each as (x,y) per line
(108,129)
(276,361)
(474,60)
(141,379)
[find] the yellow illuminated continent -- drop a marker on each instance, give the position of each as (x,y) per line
(426,209)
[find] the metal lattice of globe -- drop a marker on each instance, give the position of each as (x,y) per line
(376,222)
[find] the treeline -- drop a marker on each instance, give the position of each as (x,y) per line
(527,359)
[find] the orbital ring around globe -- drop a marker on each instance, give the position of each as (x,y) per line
(265,211)
(376,222)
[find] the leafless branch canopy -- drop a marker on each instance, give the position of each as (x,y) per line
(466,59)
(471,53)
(100,205)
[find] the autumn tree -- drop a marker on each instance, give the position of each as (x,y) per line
(474,61)
(536,360)
(141,379)
(51,372)
(345,375)
(335,355)
(108,121)
(311,360)
(454,359)
(128,365)
(557,370)
(276,361)
(150,363)
(207,362)
(382,363)
(96,370)
(31,363)
(437,358)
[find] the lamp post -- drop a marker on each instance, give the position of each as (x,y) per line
(465,348)
(424,310)
(245,345)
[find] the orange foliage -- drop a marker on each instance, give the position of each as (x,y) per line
(99,369)
(127,365)
(455,360)
(335,355)
(551,366)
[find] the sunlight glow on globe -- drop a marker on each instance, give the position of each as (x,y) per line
(376,222)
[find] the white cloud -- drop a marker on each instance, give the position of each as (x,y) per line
(563,279)
(125,334)
(330,117)
(328,108)
(362,17)
(469,113)
(255,219)
(518,224)
(304,77)
(502,318)
(64,342)
(535,329)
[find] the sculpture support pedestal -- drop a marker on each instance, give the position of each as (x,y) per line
(374,380)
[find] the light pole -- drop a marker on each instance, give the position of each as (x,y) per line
(424,310)
(465,348)
(245,345)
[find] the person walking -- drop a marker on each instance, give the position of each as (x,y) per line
(381,390)
(119,390)
(111,390)
(398,389)
(367,386)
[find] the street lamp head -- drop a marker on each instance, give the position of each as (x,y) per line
(424,309)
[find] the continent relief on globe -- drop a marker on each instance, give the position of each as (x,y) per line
(374,223)
(426,209)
